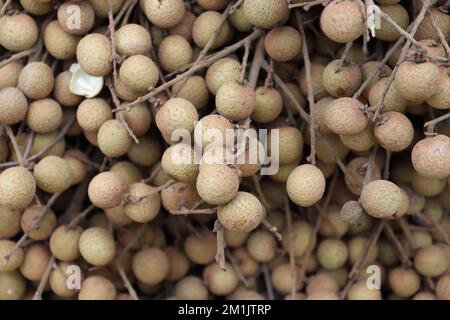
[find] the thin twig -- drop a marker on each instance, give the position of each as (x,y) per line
(258,58)
(220,255)
(126,281)
(43,282)
(288,217)
(235,264)
(403,255)
(268,282)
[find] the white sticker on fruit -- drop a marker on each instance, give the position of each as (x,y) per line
(83,84)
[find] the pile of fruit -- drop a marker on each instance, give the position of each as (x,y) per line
(119,118)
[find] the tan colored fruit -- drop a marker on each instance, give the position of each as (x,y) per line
(333,225)
(323,145)
(235,101)
(222,71)
(443,288)
(269,104)
(239,21)
(86,17)
(295,94)
(101,7)
(35,261)
(393,101)
(133,39)
(360,291)
(343,21)
(428,187)
(341,79)
(58,43)
(36,80)
(9,74)
(176,113)
(261,246)
(113,138)
(174,52)
(201,249)
(128,171)
(166,14)
(319,110)
(94,54)
(301,238)
(404,283)
(12,286)
(151,266)
(322,282)
(93,113)
(441,99)
(344,116)
(360,142)
(381,199)
(9,222)
(18,32)
(217,184)
(265,13)
(43,141)
(191,288)
(178,264)
(317,71)
(117,216)
(97,246)
(37,8)
(426,29)
(332,254)
(431,157)
(368,69)
(144,204)
(417,82)
(235,239)
(204,27)
(193,89)
(352,212)
(387,32)
(13,106)
(139,73)
(356,170)
(41,230)
(213,4)
(138,118)
(61,90)
(357,248)
(430,261)
(17,188)
(394,132)
(97,288)
(283,43)
(145,153)
(53,174)
(64,243)
(212,130)
(107,189)
(305,185)
(184,28)
(125,93)
(44,116)
(9,260)
(58,278)
(244,213)
(178,163)
(220,282)
(282,278)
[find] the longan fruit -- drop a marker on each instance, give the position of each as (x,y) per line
(150,266)
(222,71)
(64,243)
(423,295)
(201,248)
(44,228)
(235,101)
(282,279)
(97,288)
(144,209)
(94,54)
(18,32)
(176,113)
(430,261)
(179,195)
(184,28)
(220,282)
(44,140)
(430,157)
(212,130)
(352,212)
(178,264)
(178,163)
(317,71)
(387,32)
(97,246)
(427,187)
(93,113)
(441,99)
(133,39)
(35,261)
(174,52)
(191,288)
(332,254)
(360,142)
(261,246)
(268,106)
(294,93)
(341,79)
(381,199)
(125,93)
(217,184)
(265,13)
(368,68)
(128,171)
(138,118)
(342,21)
(13,106)
(357,248)
(245,294)
(37,8)
(139,73)
(107,189)
(58,281)
(235,239)
(404,283)
(213,4)
(356,172)
(417,82)
(426,29)
(166,14)
(333,225)
(360,291)
(443,288)
(9,74)
(394,131)
(9,260)
(290,145)
(305,185)
(322,295)
(61,90)
(194,90)
(301,238)
(344,116)
(60,44)
(321,282)
(44,116)
(9,222)
(86,17)
(246,264)
(244,213)
(36,80)
(283,43)
(53,174)
(145,153)
(393,101)
(387,253)
(239,21)
(17,188)
(12,286)
(204,27)
(113,138)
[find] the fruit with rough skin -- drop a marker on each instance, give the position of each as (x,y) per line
(393,101)
(43,229)
(36,80)
(381,199)
(93,113)
(235,101)
(431,157)
(341,79)
(193,89)
(268,106)
(394,132)
(386,31)
(64,243)
(305,185)
(97,288)
(18,32)
(145,203)
(332,254)
(220,282)
(345,116)
(133,39)
(107,189)
(261,246)
(265,13)
(283,43)
(430,261)
(94,53)
(178,163)
(58,43)
(222,71)
(44,116)
(113,138)
(86,17)
(13,106)
(139,73)
(164,14)
(17,188)
(300,238)
(97,246)
(151,266)
(205,26)
(217,184)
(404,283)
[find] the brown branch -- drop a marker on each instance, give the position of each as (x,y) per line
(126,281)
(400,30)
(398,245)
(308,5)
(220,255)
(112,34)
(16,147)
(235,6)
(235,265)
(288,217)
(268,282)
(438,227)
(5,7)
(18,56)
(43,282)
(258,59)
(431,124)
(272,229)
(80,217)
(132,199)
(244,62)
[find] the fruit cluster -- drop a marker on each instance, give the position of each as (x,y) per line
(100,196)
